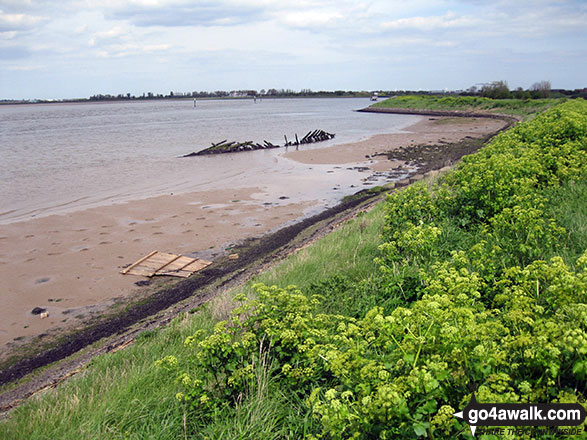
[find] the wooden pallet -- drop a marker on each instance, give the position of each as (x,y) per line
(162,263)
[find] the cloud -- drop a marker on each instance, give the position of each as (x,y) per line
(8,35)
(15,4)
(23,68)
(114,32)
(108,36)
(231,43)
(172,14)
(13,52)
(81,29)
(17,22)
(403,42)
(313,18)
(131,49)
(431,23)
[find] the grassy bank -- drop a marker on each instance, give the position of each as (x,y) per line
(477,281)
(524,108)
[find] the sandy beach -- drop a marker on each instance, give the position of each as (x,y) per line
(69,264)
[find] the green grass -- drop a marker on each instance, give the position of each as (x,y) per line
(525,108)
(120,395)
(568,206)
(349,249)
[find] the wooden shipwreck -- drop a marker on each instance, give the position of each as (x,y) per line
(235,147)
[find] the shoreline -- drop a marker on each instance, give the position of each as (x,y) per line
(455,128)
(443,113)
(115,168)
(168,98)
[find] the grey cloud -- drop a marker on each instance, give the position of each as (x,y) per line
(201,14)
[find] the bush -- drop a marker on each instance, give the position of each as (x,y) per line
(488,306)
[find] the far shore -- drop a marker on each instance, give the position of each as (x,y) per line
(172,98)
(70,264)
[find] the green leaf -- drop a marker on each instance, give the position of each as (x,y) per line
(580,369)
(428,408)
(420,428)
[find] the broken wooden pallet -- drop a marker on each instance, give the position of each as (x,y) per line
(162,263)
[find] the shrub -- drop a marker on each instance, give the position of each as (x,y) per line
(484,310)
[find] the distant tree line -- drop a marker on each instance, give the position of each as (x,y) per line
(538,90)
(274,93)
(495,90)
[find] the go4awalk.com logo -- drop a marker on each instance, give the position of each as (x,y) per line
(518,415)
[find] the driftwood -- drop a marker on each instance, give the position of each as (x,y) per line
(233,147)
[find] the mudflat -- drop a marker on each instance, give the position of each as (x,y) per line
(69,264)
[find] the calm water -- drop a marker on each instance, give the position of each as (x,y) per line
(62,157)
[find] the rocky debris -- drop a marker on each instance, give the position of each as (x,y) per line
(38,310)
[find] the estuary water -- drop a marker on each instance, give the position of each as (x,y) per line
(57,158)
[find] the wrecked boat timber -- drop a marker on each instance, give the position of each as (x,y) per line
(235,147)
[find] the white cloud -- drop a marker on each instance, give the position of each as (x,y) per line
(431,23)
(16,22)
(109,36)
(177,13)
(114,32)
(81,29)
(131,49)
(312,18)
(156,47)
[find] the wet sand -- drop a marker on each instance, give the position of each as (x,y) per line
(428,131)
(69,264)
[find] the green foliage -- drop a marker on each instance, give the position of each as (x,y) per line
(483,308)
(389,375)
(521,107)
(496,90)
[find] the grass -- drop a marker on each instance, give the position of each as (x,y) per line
(119,395)
(350,249)
(525,108)
(568,206)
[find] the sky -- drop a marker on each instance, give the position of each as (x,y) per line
(62,49)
